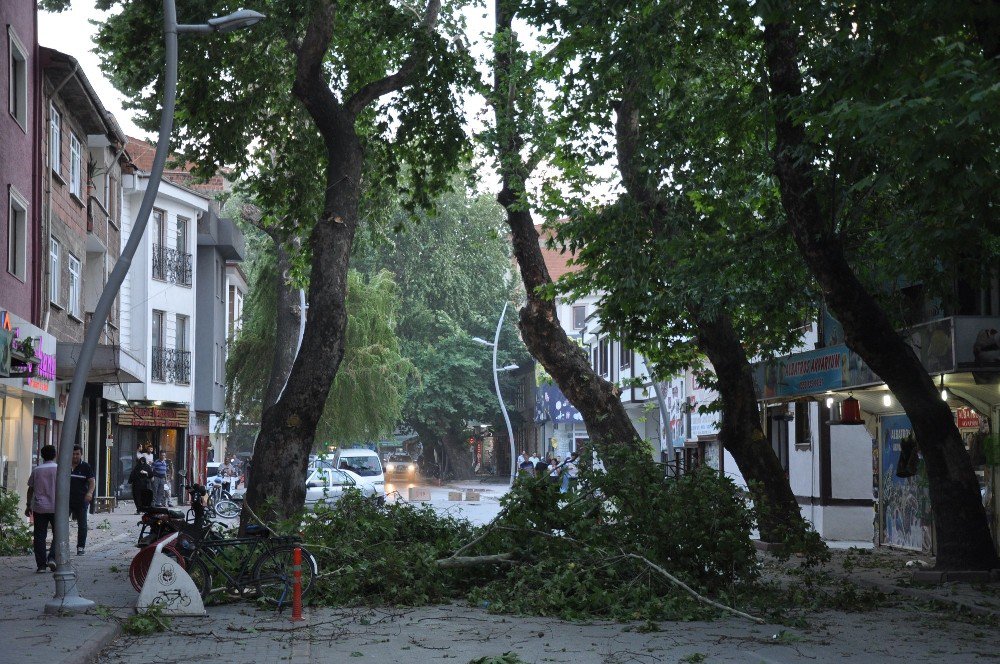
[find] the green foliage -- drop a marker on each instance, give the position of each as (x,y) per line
(506,658)
(372,376)
(147,622)
(15,536)
(452,266)
(575,556)
(372,554)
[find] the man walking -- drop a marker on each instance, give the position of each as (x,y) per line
(160,480)
(42,507)
(81,494)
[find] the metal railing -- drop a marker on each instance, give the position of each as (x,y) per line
(171,265)
(170,365)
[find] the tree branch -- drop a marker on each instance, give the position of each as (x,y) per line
(310,84)
(401,78)
(475,561)
(685,587)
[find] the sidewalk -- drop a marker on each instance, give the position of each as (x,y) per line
(27,634)
(886,570)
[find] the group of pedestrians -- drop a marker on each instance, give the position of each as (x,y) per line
(149,479)
(562,471)
(41,500)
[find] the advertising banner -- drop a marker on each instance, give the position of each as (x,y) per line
(904,503)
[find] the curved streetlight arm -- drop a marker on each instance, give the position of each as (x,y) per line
(496,384)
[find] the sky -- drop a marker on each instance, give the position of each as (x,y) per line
(71,33)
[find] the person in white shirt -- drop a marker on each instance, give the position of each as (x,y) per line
(569,472)
(534,459)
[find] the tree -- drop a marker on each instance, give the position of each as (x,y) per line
(679,259)
(366,398)
(513,98)
(452,264)
(844,123)
(350,91)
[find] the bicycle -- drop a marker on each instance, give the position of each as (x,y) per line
(220,503)
(259,562)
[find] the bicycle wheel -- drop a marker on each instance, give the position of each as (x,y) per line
(274,575)
(201,576)
(227,509)
(139,568)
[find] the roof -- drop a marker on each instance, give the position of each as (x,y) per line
(74,87)
(143,151)
(556,261)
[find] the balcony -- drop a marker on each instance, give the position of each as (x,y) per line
(171,265)
(170,365)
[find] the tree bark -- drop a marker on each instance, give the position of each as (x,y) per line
(599,402)
(963,536)
(740,431)
(286,323)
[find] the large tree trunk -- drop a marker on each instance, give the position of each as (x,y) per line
(963,537)
(611,431)
(740,431)
(281,453)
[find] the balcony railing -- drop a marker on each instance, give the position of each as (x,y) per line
(170,365)
(171,265)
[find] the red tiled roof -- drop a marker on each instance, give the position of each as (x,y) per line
(556,261)
(142,152)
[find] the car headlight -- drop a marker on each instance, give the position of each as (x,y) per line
(390,468)
(411,467)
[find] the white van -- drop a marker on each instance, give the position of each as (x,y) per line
(365,464)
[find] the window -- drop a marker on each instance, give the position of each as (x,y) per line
(182,231)
(158,232)
(579,317)
(74,286)
(182,333)
(157,338)
(55,140)
(803,436)
(159,360)
(604,356)
(75,166)
(17,94)
(17,234)
(54,270)
(624,356)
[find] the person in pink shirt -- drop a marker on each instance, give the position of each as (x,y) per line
(42,506)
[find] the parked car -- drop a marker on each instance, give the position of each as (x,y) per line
(327,485)
(401,467)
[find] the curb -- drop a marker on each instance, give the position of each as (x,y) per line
(92,648)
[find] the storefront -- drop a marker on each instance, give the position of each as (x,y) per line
(163,429)
(28,414)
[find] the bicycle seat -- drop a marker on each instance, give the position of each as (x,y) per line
(176,514)
(255,529)
(157,510)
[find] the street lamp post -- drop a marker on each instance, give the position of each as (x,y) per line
(67,599)
(496,384)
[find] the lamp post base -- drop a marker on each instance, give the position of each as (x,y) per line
(67,599)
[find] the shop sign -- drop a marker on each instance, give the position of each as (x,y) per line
(39,375)
(166,418)
(814,371)
(966,418)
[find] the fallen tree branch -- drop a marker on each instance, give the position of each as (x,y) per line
(476,561)
(680,584)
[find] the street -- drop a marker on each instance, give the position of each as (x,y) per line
(901,628)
